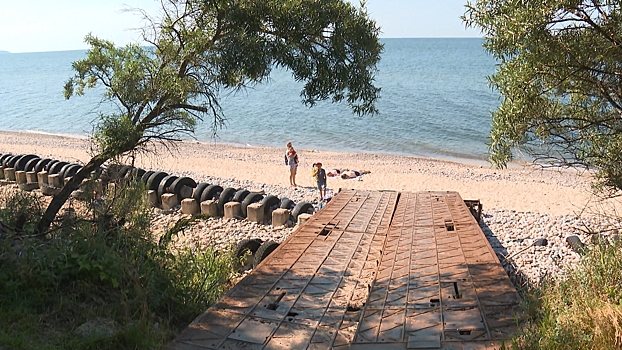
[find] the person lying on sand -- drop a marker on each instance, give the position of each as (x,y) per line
(346,173)
(333,172)
(351,174)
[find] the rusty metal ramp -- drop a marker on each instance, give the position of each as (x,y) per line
(372,270)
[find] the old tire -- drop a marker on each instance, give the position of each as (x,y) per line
(154,180)
(246,245)
(240,195)
(10,162)
(264,251)
(40,166)
(179,183)
(56,168)
(270,202)
(71,170)
(165,185)
(4,157)
(145,177)
(50,164)
(302,207)
(196,192)
(134,174)
(21,162)
(287,203)
(30,166)
(225,196)
(211,192)
(252,197)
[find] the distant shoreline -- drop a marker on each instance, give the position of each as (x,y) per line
(468,161)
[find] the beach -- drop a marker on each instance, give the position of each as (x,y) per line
(523,189)
(521,203)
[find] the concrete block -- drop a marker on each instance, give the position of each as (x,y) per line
(42,178)
(189,206)
(49,190)
(209,207)
(1,173)
(31,176)
(111,189)
(233,210)
(9,174)
(28,186)
(255,212)
(169,201)
(280,217)
(153,198)
(302,218)
(54,180)
(20,177)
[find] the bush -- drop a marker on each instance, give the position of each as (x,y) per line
(101,263)
(584,311)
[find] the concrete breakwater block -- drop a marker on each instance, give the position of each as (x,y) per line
(169,201)
(42,178)
(255,212)
(233,210)
(9,174)
(280,217)
(20,177)
(50,190)
(28,186)
(152,195)
(209,207)
(302,218)
(55,180)
(31,176)
(189,206)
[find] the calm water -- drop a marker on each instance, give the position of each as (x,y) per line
(435,102)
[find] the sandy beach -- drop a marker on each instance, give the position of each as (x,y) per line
(519,188)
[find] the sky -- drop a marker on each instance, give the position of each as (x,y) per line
(57,25)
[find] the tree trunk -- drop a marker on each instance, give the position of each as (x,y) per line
(59,200)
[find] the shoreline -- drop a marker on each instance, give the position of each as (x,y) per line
(517,188)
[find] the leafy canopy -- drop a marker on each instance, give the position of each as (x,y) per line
(559,73)
(199,48)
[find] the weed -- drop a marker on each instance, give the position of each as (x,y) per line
(583,311)
(101,265)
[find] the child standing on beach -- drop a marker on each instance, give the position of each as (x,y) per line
(320,178)
(291,159)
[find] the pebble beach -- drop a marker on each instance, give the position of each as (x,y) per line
(521,204)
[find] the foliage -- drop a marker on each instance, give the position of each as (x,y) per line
(559,76)
(21,211)
(102,263)
(583,311)
(200,49)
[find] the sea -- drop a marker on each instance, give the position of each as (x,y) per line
(435,102)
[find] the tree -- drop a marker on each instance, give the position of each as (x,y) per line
(559,74)
(198,48)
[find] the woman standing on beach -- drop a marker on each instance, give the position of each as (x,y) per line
(291,159)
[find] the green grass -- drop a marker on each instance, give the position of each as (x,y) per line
(100,265)
(582,311)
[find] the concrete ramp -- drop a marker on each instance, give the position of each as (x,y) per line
(371,270)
